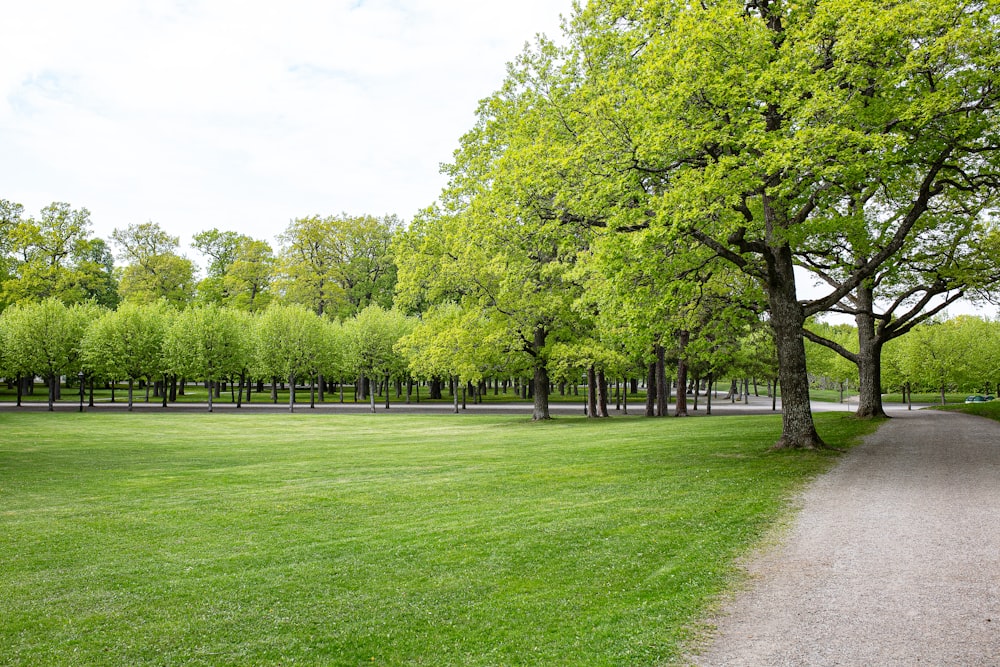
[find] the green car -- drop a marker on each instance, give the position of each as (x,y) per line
(975,399)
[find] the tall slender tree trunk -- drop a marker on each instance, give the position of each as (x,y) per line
(662,389)
(291,392)
(52,391)
(371,392)
(386,392)
(163,393)
(131,384)
(211,394)
(681,407)
(540,409)
(651,390)
(591,392)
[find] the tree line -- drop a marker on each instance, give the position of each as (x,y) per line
(940,356)
(645,194)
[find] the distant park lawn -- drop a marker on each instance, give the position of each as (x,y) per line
(990,409)
(317,539)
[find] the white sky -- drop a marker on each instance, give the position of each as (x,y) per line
(243,115)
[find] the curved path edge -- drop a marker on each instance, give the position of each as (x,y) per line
(893,558)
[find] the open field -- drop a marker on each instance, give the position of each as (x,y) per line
(343,540)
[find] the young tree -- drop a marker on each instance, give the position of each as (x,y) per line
(209,343)
(449,342)
(373,334)
(288,344)
(44,338)
(127,343)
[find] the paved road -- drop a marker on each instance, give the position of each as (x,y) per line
(893,560)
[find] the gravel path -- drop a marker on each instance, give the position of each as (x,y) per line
(894,558)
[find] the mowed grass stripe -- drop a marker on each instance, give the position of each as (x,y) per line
(345,540)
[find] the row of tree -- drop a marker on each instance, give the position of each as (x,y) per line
(671,165)
(211,343)
(961,354)
(290,343)
(332,264)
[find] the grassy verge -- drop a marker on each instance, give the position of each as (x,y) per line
(347,540)
(990,409)
(927,397)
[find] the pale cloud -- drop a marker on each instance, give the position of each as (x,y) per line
(243,115)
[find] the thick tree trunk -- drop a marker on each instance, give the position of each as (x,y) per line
(680,407)
(787,318)
(869,358)
(540,408)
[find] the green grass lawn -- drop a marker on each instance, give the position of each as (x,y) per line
(926,397)
(990,409)
(345,540)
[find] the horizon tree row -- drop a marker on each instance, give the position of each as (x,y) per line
(156,344)
(337,264)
